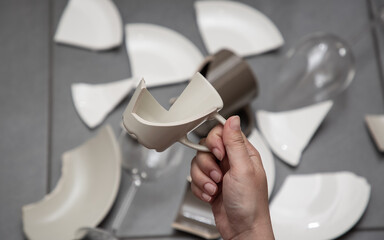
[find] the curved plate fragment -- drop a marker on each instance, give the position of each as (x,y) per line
(93,102)
(83,195)
(91,24)
(289,132)
(318,206)
(158,128)
(160,55)
(375,125)
(236,26)
(266,157)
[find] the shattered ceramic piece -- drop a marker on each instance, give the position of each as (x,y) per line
(236,26)
(158,128)
(160,55)
(84,194)
(318,206)
(289,132)
(375,125)
(267,159)
(90,24)
(93,102)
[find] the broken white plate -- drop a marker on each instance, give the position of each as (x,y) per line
(289,132)
(158,128)
(83,195)
(160,55)
(91,24)
(375,125)
(318,206)
(266,157)
(236,26)
(93,102)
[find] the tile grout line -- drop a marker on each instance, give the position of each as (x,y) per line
(376,44)
(50,97)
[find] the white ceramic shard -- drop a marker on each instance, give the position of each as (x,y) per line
(318,206)
(91,24)
(266,157)
(158,128)
(160,55)
(289,132)
(83,195)
(93,102)
(375,125)
(236,26)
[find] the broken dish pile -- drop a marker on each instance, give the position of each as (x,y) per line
(312,206)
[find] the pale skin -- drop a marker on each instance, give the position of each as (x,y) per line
(232,179)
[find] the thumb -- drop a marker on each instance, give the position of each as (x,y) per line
(234,143)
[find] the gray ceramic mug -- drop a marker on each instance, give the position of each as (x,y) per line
(234,80)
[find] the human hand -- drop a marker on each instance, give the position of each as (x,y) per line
(236,187)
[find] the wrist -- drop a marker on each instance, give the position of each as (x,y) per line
(261,231)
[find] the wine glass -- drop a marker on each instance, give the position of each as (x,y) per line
(142,164)
(319,68)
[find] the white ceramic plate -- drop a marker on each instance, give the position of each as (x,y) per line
(160,55)
(266,157)
(289,132)
(91,24)
(236,26)
(84,194)
(375,125)
(318,206)
(93,102)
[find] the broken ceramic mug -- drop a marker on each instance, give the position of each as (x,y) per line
(157,128)
(234,80)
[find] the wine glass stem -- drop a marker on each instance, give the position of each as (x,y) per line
(128,198)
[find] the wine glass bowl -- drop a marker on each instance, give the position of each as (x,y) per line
(319,68)
(146,163)
(143,164)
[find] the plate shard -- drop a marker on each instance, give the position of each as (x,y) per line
(289,132)
(160,55)
(93,102)
(90,24)
(236,26)
(375,125)
(83,195)
(319,206)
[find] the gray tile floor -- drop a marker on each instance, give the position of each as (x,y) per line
(38,121)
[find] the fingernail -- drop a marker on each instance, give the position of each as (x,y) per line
(235,123)
(206,197)
(217,153)
(210,188)
(215,176)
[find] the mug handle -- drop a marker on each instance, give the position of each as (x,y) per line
(184,140)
